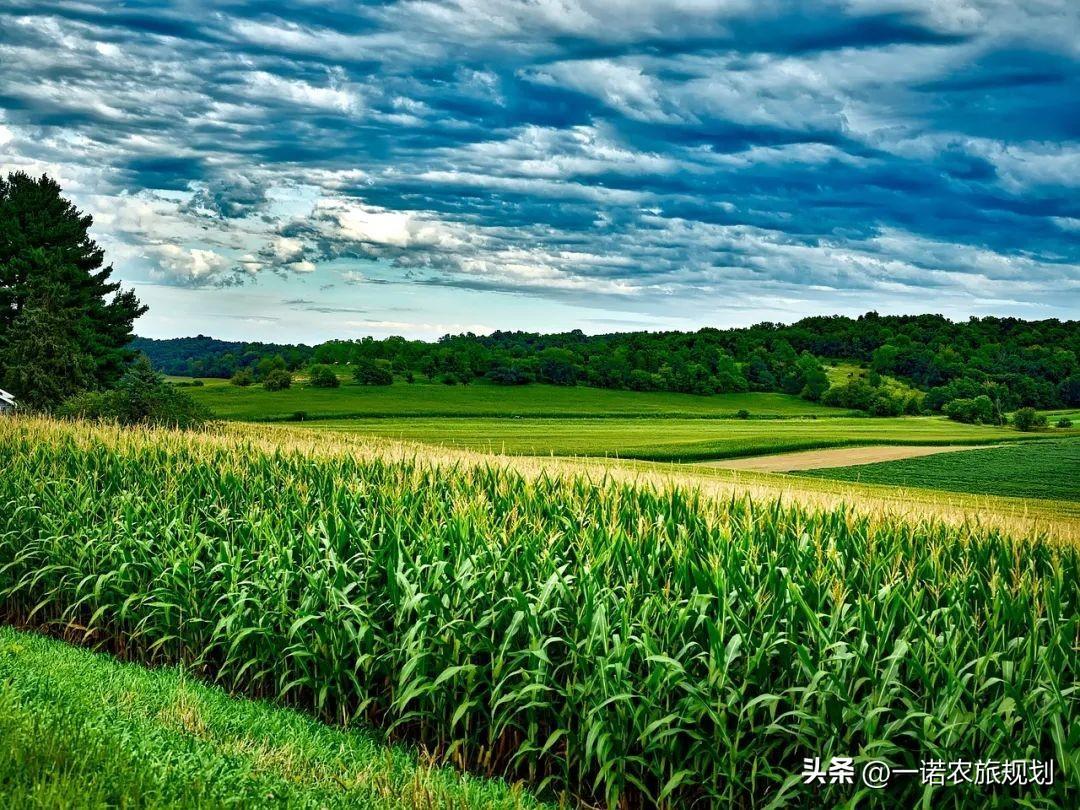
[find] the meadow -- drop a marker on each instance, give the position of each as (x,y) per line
(581,421)
(670,439)
(612,642)
(421,399)
(1046,469)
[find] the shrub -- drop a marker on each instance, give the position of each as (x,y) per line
(509,375)
(322,376)
(368,372)
(142,397)
(742,413)
(277,380)
(979,409)
(266,365)
(641,380)
(93,405)
(1069,390)
(558,366)
(816,380)
(243,378)
(884,405)
(728,378)
(937,398)
(1064,422)
(856,394)
(1025,419)
(448,379)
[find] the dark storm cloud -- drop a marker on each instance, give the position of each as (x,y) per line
(590,149)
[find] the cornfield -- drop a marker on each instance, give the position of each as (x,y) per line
(612,644)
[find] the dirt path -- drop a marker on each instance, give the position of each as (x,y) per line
(834,457)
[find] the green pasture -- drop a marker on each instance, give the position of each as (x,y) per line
(670,439)
(255,403)
(1045,469)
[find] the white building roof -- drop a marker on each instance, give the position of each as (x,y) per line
(6,398)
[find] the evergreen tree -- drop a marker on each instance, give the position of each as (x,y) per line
(64,325)
(41,362)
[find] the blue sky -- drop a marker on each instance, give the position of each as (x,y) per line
(327,169)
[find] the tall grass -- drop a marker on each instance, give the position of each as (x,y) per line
(624,645)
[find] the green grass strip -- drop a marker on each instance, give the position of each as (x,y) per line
(82,730)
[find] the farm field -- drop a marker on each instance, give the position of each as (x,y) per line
(626,644)
(540,405)
(255,403)
(1045,469)
(835,457)
(669,439)
(1072,414)
(83,730)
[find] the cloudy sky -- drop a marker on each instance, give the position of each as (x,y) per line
(324,169)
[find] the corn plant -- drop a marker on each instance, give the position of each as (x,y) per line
(614,644)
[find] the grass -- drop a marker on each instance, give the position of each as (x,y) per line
(82,730)
(255,403)
(1072,414)
(670,439)
(632,645)
(1045,469)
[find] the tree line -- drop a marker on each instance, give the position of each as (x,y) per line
(1011,362)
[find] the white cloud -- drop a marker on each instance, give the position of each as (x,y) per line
(1025,165)
(353,221)
(285,249)
(678,141)
(268,87)
(621,85)
(189,267)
